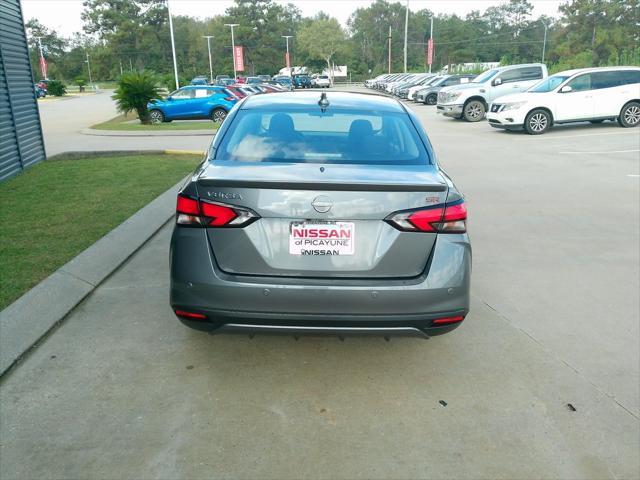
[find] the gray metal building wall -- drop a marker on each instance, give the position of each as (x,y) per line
(21,141)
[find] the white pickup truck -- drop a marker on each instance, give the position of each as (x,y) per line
(471,100)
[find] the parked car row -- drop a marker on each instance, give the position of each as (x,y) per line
(227,80)
(420,87)
(206,101)
(525,97)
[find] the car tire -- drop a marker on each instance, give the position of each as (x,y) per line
(595,122)
(218,115)
(630,115)
(156,116)
(473,111)
(537,122)
(431,99)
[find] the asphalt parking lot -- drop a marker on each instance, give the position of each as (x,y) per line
(541,381)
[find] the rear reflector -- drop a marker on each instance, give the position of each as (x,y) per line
(449,218)
(444,321)
(191,315)
(201,213)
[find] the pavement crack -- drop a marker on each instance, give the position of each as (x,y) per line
(130,287)
(78,278)
(554,355)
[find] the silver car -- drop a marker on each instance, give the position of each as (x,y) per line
(321,213)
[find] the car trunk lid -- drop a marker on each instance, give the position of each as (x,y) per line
(317,221)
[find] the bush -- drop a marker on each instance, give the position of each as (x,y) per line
(134,91)
(580,60)
(56,88)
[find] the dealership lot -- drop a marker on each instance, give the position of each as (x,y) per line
(540,381)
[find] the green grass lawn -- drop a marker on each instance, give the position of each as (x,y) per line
(56,209)
(120,123)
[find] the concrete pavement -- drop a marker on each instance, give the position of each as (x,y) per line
(63,120)
(541,381)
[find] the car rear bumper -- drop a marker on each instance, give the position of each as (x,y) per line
(450,110)
(243,302)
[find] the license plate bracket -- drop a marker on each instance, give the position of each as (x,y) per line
(321,238)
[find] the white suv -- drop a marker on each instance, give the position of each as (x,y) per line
(587,94)
(471,100)
(322,81)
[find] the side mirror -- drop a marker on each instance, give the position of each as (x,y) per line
(566,89)
(497,81)
(169,97)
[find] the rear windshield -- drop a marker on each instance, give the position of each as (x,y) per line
(341,136)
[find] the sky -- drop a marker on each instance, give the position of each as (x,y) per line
(64,15)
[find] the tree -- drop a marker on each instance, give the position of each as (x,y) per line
(127,35)
(369,29)
(53,46)
(135,90)
(605,28)
(322,38)
(261,26)
(136,31)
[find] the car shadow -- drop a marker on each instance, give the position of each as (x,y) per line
(560,129)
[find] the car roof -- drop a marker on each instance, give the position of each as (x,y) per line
(594,69)
(519,65)
(337,101)
(201,86)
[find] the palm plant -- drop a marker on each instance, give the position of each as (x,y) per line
(135,90)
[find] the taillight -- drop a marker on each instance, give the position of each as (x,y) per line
(447,320)
(190,315)
(201,213)
(449,218)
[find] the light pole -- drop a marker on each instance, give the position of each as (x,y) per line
(173,46)
(209,37)
(89,68)
(431,45)
(406,30)
(233,48)
(389,40)
(287,37)
(544,42)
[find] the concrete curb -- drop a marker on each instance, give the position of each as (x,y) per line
(76,155)
(27,320)
(165,133)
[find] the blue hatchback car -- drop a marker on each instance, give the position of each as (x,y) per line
(193,102)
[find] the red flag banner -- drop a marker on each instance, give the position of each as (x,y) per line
(238,58)
(43,67)
(430,52)
(287,61)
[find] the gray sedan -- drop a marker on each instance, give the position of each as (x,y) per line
(321,213)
